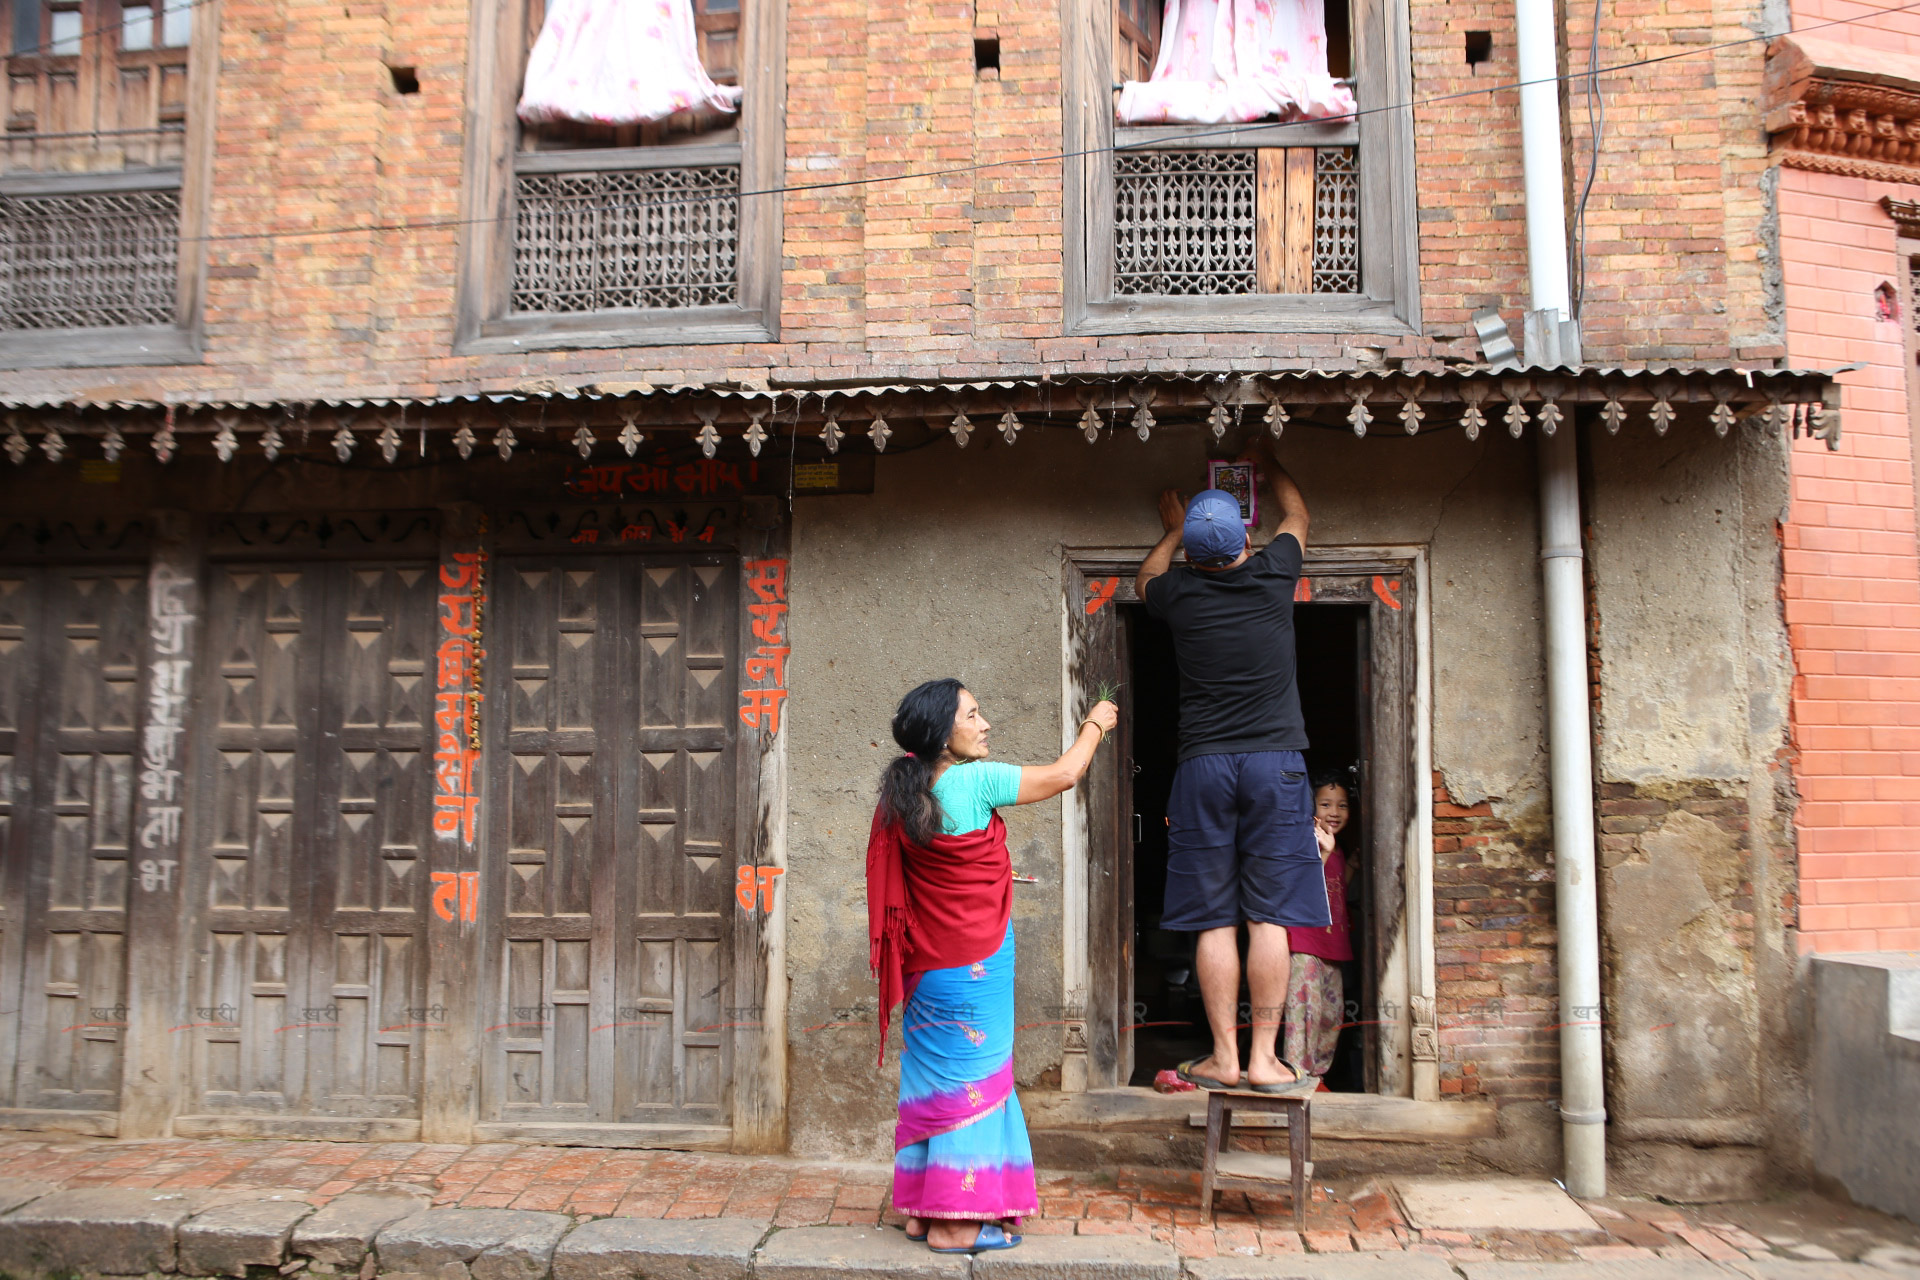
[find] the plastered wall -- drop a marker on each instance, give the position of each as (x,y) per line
(1696,860)
(954,566)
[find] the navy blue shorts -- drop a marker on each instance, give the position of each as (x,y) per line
(1240,844)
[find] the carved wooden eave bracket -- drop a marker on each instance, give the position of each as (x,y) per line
(612,419)
(1835,107)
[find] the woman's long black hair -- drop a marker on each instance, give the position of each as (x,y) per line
(921,726)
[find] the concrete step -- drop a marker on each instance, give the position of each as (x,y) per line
(870,1253)
(1081,1258)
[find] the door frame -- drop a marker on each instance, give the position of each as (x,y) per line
(1096,951)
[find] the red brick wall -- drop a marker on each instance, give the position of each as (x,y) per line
(1852,578)
(1495,978)
(952,275)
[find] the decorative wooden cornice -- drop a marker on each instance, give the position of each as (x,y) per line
(1838,108)
(1905,215)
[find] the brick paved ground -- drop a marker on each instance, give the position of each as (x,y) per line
(1164,1204)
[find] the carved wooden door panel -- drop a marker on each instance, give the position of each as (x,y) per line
(367,966)
(610,845)
(313,813)
(69,674)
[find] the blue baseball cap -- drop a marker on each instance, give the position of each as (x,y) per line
(1213,530)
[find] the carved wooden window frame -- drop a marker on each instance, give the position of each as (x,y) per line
(1907,314)
(1389,298)
(482,324)
(183,340)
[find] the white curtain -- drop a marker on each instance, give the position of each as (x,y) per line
(618,62)
(1232,61)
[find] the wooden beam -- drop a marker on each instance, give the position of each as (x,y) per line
(1297,276)
(1270,220)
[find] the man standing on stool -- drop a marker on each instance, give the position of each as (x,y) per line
(1240,839)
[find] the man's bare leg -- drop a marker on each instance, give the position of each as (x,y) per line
(1217,956)
(1269,964)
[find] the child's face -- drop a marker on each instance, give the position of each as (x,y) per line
(1330,807)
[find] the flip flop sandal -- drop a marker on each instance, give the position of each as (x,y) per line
(1185,1072)
(1302,1083)
(919,1239)
(992,1236)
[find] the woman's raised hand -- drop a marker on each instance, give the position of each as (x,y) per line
(1045,781)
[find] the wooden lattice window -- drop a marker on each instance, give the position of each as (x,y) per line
(629,235)
(1269,220)
(623,228)
(90,260)
(1265,226)
(626,238)
(93,159)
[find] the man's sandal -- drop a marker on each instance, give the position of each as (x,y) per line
(1301,1084)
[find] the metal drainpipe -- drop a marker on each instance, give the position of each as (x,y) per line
(1569,721)
(1583,1110)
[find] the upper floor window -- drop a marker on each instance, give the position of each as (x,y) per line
(633,138)
(95,165)
(1247,166)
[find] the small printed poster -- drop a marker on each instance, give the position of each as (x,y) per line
(1242,481)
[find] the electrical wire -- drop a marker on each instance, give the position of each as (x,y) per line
(1591,74)
(1594,130)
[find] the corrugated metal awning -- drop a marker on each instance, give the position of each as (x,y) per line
(1411,398)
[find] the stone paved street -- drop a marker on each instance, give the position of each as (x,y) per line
(1160,1204)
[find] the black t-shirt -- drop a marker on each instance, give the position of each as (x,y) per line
(1233,641)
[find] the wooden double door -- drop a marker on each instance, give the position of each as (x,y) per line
(593,924)
(612,711)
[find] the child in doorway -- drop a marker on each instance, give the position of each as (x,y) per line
(1316,996)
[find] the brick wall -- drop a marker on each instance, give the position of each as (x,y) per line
(943,276)
(1852,579)
(1496,982)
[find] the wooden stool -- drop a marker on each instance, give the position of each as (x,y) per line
(1251,1171)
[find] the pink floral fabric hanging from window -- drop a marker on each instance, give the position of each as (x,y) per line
(618,62)
(1233,61)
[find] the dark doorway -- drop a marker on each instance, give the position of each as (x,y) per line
(1166,1018)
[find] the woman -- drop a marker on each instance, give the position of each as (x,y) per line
(939,912)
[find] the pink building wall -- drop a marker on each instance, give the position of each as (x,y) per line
(1852,576)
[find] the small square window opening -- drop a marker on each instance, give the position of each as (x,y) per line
(405,79)
(1479,47)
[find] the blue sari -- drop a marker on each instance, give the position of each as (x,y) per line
(960,1147)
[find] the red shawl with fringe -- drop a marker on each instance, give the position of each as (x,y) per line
(933,907)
